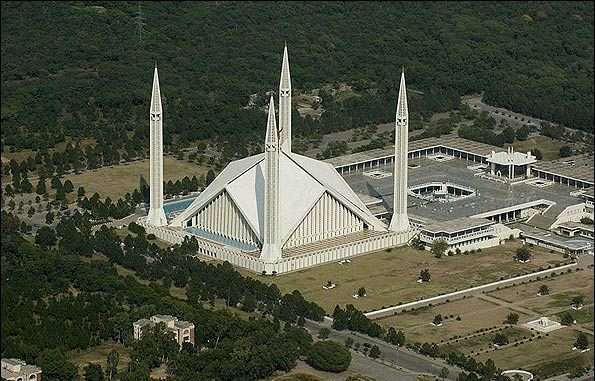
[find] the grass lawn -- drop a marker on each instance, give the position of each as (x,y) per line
(98,355)
(391,276)
(475,314)
(547,356)
(582,316)
(116,180)
(550,148)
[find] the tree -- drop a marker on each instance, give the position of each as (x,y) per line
(586,221)
(566,319)
(425,275)
(523,254)
(508,135)
(578,301)
(113,358)
(544,290)
(512,318)
(565,151)
(361,292)
(31,212)
(500,339)
(55,366)
(49,217)
(41,187)
(444,373)
(80,193)
(374,352)
(437,320)
(68,187)
(46,237)
(323,333)
(93,372)
(210,177)
(394,337)
(537,153)
(439,247)
(329,356)
(522,133)
(582,342)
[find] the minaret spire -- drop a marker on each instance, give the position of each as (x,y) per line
(271,248)
(156,214)
(285,104)
(400,221)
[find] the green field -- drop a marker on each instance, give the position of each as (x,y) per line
(550,148)
(390,277)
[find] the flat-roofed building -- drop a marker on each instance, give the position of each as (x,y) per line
(575,229)
(568,245)
(464,234)
(574,171)
(183,331)
(19,370)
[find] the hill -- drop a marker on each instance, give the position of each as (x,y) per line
(84,69)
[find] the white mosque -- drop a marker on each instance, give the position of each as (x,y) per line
(278,211)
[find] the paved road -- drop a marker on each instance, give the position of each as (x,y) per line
(405,362)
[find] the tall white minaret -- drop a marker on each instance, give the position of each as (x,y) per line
(156,214)
(271,248)
(285,105)
(400,221)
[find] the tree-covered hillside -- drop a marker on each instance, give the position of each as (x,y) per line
(83,68)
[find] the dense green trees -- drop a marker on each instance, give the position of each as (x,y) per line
(329,356)
(65,303)
(532,57)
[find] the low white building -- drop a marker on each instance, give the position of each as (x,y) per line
(183,331)
(463,233)
(511,164)
(19,370)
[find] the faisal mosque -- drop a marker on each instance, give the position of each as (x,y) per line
(278,211)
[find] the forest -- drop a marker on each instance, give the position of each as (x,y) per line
(84,69)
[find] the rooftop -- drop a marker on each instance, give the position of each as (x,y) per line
(449,141)
(13,368)
(554,239)
(490,195)
(578,167)
(457,225)
(511,157)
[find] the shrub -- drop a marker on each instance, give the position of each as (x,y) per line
(151,237)
(329,356)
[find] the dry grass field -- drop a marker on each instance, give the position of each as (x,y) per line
(582,280)
(390,277)
(549,355)
(116,180)
(475,314)
(98,355)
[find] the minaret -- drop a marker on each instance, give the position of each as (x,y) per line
(285,105)
(271,249)
(156,214)
(400,221)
